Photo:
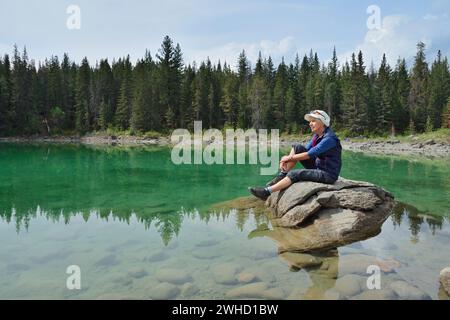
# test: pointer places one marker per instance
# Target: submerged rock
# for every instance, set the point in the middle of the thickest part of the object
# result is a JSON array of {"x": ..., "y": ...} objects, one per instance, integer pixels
[
  {"x": 257, "y": 290},
  {"x": 174, "y": 276},
  {"x": 406, "y": 291},
  {"x": 382, "y": 294},
  {"x": 107, "y": 261},
  {"x": 350, "y": 285},
  {"x": 164, "y": 291},
  {"x": 226, "y": 273},
  {"x": 247, "y": 277}
]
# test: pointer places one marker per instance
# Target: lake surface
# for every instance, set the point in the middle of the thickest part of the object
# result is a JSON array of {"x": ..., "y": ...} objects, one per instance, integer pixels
[{"x": 140, "y": 227}]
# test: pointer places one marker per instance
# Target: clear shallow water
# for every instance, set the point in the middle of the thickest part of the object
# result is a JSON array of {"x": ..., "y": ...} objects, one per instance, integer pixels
[{"x": 140, "y": 227}]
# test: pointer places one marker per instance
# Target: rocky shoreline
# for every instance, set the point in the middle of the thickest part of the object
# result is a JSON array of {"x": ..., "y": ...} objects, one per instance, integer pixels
[
  {"x": 428, "y": 148},
  {"x": 91, "y": 140}
]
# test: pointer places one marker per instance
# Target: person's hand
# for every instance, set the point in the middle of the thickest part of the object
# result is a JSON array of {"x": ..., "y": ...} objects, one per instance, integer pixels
[{"x": 286, "y": 159}]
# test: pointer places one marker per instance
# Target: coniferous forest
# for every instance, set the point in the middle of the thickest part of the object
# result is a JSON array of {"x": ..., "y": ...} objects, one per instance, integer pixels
[{"x": 160, "y": 93}]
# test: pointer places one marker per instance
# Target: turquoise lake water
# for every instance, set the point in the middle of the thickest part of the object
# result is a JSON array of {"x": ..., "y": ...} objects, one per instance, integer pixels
[{"x": 140, "y": 227}]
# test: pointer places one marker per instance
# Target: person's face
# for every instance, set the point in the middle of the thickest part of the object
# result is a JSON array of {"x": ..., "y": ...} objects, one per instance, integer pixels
[{"x": 316, "y": 126}]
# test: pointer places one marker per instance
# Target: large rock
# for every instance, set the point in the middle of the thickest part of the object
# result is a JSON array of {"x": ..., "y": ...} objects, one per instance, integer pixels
[
  {"x": 444, "y": 279},
  {"x": 329, "y": 215},
  {"x": 311, "y": 216},
  {"x": 294, "y": 205}
]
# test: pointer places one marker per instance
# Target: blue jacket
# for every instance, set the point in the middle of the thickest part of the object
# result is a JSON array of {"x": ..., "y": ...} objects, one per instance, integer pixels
[{"x": 326, "y": 152}]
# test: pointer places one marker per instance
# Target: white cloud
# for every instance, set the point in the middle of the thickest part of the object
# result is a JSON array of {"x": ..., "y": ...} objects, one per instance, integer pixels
[
  {"x": 230, "y": 51},
  {"x": 399, "y": 35}
]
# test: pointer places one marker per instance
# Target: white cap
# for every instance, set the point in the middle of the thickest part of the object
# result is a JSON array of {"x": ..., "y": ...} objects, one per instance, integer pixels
[{"x": 319, "y": 114}]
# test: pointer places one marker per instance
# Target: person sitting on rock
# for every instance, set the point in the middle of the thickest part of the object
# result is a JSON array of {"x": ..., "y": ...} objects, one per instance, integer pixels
[{"x": 321, "y": 158}]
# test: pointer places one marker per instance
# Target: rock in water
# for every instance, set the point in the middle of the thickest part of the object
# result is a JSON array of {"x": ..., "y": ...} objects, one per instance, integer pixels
[
  {"x": 444, "y": 279},
  {"x": 310, "y": 216},
  {"x": 294, "y": 205},
  {"x": 328, "y": 215}
]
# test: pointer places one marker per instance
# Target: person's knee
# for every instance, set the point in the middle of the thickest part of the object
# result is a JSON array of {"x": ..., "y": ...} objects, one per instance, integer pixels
[
  {"x": 294, "y": 175},
  {"x": 298, "y": 148}
]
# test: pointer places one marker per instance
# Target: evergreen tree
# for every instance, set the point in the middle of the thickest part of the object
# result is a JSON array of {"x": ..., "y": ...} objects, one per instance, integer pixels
[
  {"x": 401, "y": 87},
  {"x": 82, "y": 97},
  {"x": 244, "y": 74},
  {"x": 293, "y": 98},
  {"x": 280, "y": 95},
  {"x": 24, "y": 114},
  {"x": 170, "y": 77},
  {"x": 187, "y": 97},
  {"x": 104, "y": 94},
  {"x": 446, "y": 115},
  {"x": 383, "y": 87},
  {"x": 332, "y": 94},
  {"x": 5, "y": 90},
  {"x": 418, "y": 97},
  {"x": 355, "y": 96},
  {"x": 202, "y": 87},
  {"x": 68, "y": 79},
  {"x": 439, "y": 89},
  {"x": 230, "y": 100},
  {"x": 163, "y": 94},
  {"x": 257, "y": 101},
  {"x": 123, "y": 111}
]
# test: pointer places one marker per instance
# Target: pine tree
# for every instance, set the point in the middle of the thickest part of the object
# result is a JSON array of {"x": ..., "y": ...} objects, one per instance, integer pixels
[
  {"x": 170, "y": 77},
  {"x": 401, "y": 87},
  {"x": 383, "y": 87},
  {"x": 123, "y": 111},
  {"x": 259, "y": 67},
  {"x": 123, "y": 107},
  {"x": 446, "y": 115},
  {"x": 202, "y": 87},
  {"x": 54, "y": 88},
  {"x": 362, "y": 88},
  {"x": 355, "y": 96},
  {"x": 280, "y": 95},
  {"x": 257, "y": 101},
  {"x": 332, "y": 93},
  {"x": 163, "y": 94},
  {"x": 293, "y": 97},
  {"x": 145, "y": 110},
  {"x": 24, "y": 114},
  {"x": 104, "y": 94},
  {"x": 68, "y": 80},
  {"x": 5, "y": 90},
  {"x": 418, "y": 97},
  {"x": 82, "y": 97},
  {"x": 230, "y": 100},
  {"x": 244, "y": 74},
  {"x": 187, "y": 97},
  {"x": 439, "y": 89}
]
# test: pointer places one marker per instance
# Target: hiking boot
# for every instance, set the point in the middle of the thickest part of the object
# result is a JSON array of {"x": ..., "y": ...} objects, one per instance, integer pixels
[
  {"x": 260, "y": 193},
  {"x": 275, "y": 180}
]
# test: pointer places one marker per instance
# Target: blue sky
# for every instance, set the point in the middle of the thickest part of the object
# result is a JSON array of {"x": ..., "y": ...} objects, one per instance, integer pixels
[{"x": 221, "y": 29}]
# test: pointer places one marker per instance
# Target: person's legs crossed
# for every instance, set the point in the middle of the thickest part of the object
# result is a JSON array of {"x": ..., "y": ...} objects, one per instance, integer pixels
[{"x": 284, "y": 170}]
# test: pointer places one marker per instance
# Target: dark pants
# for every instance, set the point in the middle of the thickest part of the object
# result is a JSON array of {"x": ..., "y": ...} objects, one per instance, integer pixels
[{"x": 310, "y": 173}]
